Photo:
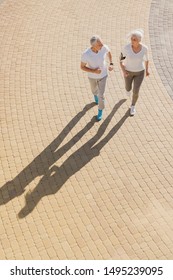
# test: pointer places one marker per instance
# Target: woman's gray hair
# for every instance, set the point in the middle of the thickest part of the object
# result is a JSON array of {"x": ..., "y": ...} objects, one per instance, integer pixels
[
  {"x": 94, "y": 39},
  {"x": 139, "y": 33}
]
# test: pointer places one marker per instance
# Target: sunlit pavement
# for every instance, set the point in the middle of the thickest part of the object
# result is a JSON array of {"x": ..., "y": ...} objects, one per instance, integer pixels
[{"x": 71, "y": 187}]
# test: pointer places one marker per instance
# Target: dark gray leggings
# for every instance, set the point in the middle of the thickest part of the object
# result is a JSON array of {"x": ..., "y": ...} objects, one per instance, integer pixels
[{"x": 136, "y": 78}]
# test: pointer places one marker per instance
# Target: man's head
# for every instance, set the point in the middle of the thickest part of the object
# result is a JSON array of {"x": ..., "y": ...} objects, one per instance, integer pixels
[{"x": 96, "y": 42}]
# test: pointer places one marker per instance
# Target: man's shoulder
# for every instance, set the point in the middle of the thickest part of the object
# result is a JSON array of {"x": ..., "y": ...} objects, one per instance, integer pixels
[
  {"x": 106, "y": 47},
  {"x": 87, "y": 51},
  {"x": 85, "y": 55}
]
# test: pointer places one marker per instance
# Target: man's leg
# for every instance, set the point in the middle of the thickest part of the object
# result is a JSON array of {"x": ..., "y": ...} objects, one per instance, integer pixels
[
  {"x": 101, "y": 86},
  {"x": 94, "y": 88},
  {"x": 101, "y": 95}
]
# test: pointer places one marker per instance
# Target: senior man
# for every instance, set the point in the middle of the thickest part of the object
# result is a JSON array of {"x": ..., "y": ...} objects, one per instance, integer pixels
[{"x": 93, "y": 61}]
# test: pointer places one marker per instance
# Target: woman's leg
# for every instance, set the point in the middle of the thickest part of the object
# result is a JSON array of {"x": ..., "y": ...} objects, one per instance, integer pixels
[
  {"x": 138, "y": 78},
  {"x": 128, "y": 81}
]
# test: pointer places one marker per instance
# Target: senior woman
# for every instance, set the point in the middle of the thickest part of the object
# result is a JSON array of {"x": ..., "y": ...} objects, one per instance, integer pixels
[{"x": 134, "y": 64}]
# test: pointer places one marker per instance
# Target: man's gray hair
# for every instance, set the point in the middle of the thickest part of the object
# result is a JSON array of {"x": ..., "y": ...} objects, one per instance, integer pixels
[{"x": 94, "y": 39}]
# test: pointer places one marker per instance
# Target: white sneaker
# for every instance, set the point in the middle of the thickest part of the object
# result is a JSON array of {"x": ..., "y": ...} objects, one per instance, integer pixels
[
  {"x": 128, "y": 93},
  {"x": 132, "y": 111}
]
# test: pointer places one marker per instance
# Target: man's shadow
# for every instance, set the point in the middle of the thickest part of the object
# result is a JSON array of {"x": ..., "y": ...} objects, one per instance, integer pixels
[
  {"x": 41, "y": 164},
  {"x": 56, "y": 177}
]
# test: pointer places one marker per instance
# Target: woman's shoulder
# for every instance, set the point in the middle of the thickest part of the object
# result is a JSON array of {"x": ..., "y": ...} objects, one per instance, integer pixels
[
  {"x": 144, "y": 47},
  {"x": 127, "y": 46}
]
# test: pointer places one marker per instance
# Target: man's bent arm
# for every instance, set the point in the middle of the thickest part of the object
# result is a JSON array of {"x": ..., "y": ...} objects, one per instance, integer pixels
[{"x": 87, "y": 69}]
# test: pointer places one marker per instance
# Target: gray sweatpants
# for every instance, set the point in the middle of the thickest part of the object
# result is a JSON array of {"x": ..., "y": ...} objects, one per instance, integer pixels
[
  {"x": 136, "y": 78},
  {"x": 98, "y": 88}
]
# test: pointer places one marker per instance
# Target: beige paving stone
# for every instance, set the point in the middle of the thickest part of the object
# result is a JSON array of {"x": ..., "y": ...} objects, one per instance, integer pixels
[{"x": 61, "y": 198}]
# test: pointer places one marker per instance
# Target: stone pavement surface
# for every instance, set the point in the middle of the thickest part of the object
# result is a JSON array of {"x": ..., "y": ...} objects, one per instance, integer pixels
[
  {"x": 70, "y": 187},
  {"x": 161, "y": 36}
]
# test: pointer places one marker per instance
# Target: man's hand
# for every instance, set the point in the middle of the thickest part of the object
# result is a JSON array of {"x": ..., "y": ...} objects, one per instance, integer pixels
[
  {"x": 97, "y": 71},
  {"x": 111, "y": 68}
]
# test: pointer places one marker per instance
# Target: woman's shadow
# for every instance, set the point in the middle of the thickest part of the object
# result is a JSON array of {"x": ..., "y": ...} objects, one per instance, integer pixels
[
  {"x": 55, "y": 177},
  {"x": 40, "y": 166}
]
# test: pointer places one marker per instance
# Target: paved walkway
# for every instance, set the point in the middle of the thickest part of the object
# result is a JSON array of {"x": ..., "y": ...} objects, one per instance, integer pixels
[
  {"x": 72, "y": 188},
  {"x": 161, "y": 36}
]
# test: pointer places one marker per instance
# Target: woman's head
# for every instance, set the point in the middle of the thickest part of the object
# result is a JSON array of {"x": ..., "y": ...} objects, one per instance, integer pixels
[{"x": 136, "y": 36}]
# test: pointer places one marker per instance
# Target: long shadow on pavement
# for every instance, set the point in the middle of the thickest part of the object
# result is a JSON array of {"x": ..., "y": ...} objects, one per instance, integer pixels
[
  {"x": 41, "y": 164},
  {"x": 56, "y": 177}
]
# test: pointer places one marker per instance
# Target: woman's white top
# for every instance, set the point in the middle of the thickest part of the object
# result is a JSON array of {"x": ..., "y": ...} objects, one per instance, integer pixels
[
  {"x": 96, "y": 60},
  {"x": 132, "y": 61}
]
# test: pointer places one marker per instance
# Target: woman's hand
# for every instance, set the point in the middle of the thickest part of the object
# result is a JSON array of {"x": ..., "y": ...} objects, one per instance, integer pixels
[
  {"x": 147, "y": 73},
  {"x": 125, "y": 73}
]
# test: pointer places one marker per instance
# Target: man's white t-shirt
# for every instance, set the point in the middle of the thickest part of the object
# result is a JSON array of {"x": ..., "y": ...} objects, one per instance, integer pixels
[
  {"x": 134, "y": 62},
  {"x": 96, "y": 60}
]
